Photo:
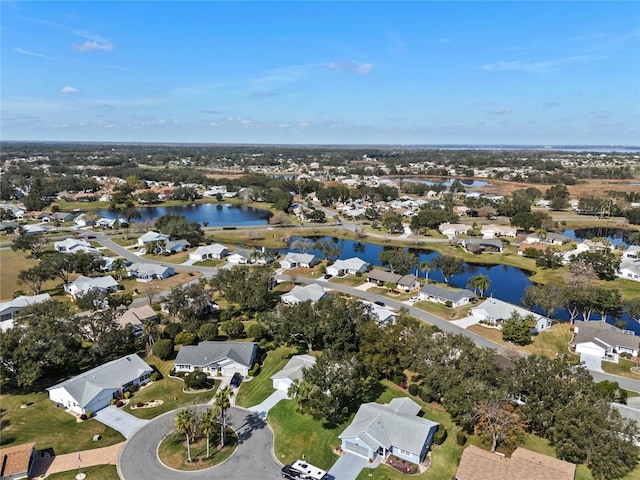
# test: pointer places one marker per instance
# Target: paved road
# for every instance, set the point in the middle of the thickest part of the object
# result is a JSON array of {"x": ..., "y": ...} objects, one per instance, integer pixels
[{"x": 252, "y": 460}]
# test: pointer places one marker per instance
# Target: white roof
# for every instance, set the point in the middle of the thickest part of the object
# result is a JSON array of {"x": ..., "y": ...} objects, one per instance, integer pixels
[
  {"x": 83, "y": 283},
  {"x": 214, "y": 249},
  {"x": 353, "y": 263},
  {"x": 148, "y": 268},
  {"x": 311, "y": 292},
  {"x": 295, "y": 366},
  {"x": 497, "y": 309},
  {"x": 294, "y": 257}
]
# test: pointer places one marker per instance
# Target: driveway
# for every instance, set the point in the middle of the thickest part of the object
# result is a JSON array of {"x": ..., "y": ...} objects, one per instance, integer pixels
[
  {"x": 348, "y": 467},
  {"x": 262, "y": 409},
  {"x": 591, "y": 362},
  {"x": 252, "y": 459},
  {"x": 120, "y": 420},
  {"x": 466, "y": 322}
]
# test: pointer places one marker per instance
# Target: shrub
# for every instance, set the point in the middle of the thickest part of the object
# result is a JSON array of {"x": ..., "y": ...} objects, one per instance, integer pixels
[
  {"x": 358, "y": 274},
  {"x": 196, "y": 380},
  {"x": 140, "y": 404},
  {"x": 234, "y": 329},
  {"x": 426, "y": 395},
  {"x": 208, "y": 331},
  {"x": 155, "y": 376},
  {"x": 163, "y": 349},
  {"x": 185, "y": 338},
  {"x": 440, "y": 436},
  {"x": 398, "y": 379},
  {"x": 132, "y": 388},
  {"x": 171, "y": 330},
  {"x": 448, "y": 304},
  {"x": 127, "y": 395},
  {"x": 112, "y": 402},
  {"x": 258, "y": 332},
  {"x": 119, "y": 403},
  {"x": 254, "y": 371},
  {"x": 88, "y": 413},
  {"x": 413, "y": 389},
  {"x": 83, "y": 417},
  {"x": 461, "y": 438}
]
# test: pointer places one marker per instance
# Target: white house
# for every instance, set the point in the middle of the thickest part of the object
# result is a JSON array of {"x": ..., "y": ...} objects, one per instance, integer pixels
[
  {"x": 408, "y": 282},
  {"x": 82, "y": 285},
  {"x": 293, "y": 260},
  {"x": 549, "y": 238},
  {"x": 152, "y": 236},
  {"x": 493, "y": 231},
  {"x": 293, "y": 370},
  {"x": 379, "y": 430},
  {"x": 215, "y": 251},
  {"x": 350, "y": 266},
  {"x": 95, "y": 388},
  {"x": 213, "y": 358},
  {"x": 603, "y": 340},
  {"x": 241, "y": 256},
  {"x": 454, "y": 298},
  {"x": 146, "y": 272},
  {"x": 631, "y": 253},
  {"x": 496, "y": 312},
  {"x": 8, "y": 310},
  {"x": 382, "y": 315},
  {"x": 299, "y": 294},
  {"x": 175, "y": 246},
  {"x": 629, "y": 270},
  {"x": 73, "y": 245},
  {"x": 453, "y": 229}
]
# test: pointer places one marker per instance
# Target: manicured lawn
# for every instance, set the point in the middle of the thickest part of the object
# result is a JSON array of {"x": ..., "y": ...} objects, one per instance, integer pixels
[
  {"x": 622, "y": 369},
  {"x": 169, "y": 390},
  {"x": 102, "y": 472},
  {"x": 210, "y": 263},
  {"x": 48, "y": 426},
  {"x": 261, "y": 386},
  {"x": 349, "y": 280},
  {"x": 175, "y": 259},
  {"x": 178, "y": 279}
]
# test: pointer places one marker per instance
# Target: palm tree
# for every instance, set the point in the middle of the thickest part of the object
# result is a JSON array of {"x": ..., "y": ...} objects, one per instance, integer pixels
[
  {"x": 426, "y": 267},
  {"x": 479, "y": 282},
  {"x": 119, "y": 264},
  {"x": 207, "y": 424},
  {"x": 150, "y": 328},
  {"x": 185, "y": 422},
  {"x": 223, "y": 403}
]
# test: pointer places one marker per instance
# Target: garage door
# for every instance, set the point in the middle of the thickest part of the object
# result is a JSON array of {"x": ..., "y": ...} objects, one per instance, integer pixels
[
  {"x": 283, "y": 385},
  {"x": 357, "y": 449}
]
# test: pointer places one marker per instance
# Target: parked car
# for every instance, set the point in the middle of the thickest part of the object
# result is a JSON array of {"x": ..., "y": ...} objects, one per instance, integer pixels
[
  {"x": 380, "y": 304},
  {"x": 414, "y": 299},
  {"x": 328, "y": 276},
  {"x": 236, "y": 380}
]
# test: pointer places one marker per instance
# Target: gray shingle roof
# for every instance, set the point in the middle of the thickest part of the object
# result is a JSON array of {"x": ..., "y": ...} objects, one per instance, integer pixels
[
  {"x": 207, "y": 353},
  {"x": 445, "y": 293},
  {"x": 393, "y": 424},
  {"x": 295, "y": 366},
  {"x": 596, "y": 330},
  {"x": 311, "y": 292},
  {"x": 112, "y": 375}
]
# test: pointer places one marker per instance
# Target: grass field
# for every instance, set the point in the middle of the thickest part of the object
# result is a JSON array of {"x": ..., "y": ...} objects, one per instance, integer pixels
[
  {"x": 173, "y": 451},
  {"x": 102, "y": 472},
  {"x": 48, "y": 426},
  {"x": 261, "y": 386}
]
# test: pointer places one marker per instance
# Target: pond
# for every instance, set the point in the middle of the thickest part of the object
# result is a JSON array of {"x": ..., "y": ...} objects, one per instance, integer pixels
[
  {"x": 507, "y": 283},
  {"x": 615, "y": 236},
  {"x": 214, "y": 214}
]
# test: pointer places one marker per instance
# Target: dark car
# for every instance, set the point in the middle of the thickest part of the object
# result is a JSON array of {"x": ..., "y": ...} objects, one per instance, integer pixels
[
  {"x": 236, "y": 380},
  {"x": 328, "y": 276},
  {"x": 381, "y": 304}
]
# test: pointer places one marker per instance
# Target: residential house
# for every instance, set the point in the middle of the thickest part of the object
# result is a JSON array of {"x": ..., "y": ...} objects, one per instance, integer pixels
[
  {"x": 383, "y": 315},
  {"x": 597, "y": 246},
  {"x": 629, "y": 412},
  {"x": 213, "y": 358},
  {"x": 146, "y": 272},
  {"x": 95, "y": 388},
  {"x": 215, "y": 251},
  {"x": 533, "y": 246},
  {"x": 299, "y": 294},
  {"x": 136, "y": 317},
  {"x": 382, "y": 277},
  {"x": 408, "y": 283},
  {"x": 629, "y": 270},
  {"x": 63, "y": 216},
  {"x": 379, "y": 430},
  {"x": 82, "y": 285},
  {"x": 292, "y": 371},
  {"x": 631, "y": 253},
  {"x": 350, "y": 266},
  {"x": 482, "y": 245},
  {"x": 294, "y": 260},
  {"x": 9, "y": 310},
  {"x": 175, "y": 246},
  {"x": 152, "y": 237},
  {"x": 453, "y": 229},
  {"x": 17, "y": 461},
  {"x": 494, "y": 231},
  {"x": 74, "y": 245},
  {"x": 478, "y": 464},
  {"x": 549, "y": 238},
  {"x": 604, "y": 341},
  {"x": 496, "y": 312},
  {"x": 241, "y": 256},
  {"x": 447, "y": 296}
]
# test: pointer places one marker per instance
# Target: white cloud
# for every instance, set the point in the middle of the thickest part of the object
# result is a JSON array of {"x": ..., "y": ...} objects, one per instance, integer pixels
[
  {"x": 351, "y": 67},
  {"x": 91, "y": 45},
  {"x": 502, "y": 110},
  {"x": 68, "y": 89},
  {"x": 26, "y": 52},
  {"x": 541, "y": 66}
]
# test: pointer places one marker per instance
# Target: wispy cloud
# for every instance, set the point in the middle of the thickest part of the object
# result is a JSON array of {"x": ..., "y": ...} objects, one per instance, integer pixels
[
  {"x": 550, "y": 104},
  {"x": 260, "y": 94},
  {"x": 68, "y": 89},
  {"x": 502, "y": 111},
  {"x": 210, "y": 112},
  {"x": 32, "y": 54},
  {"x": 351, "y": 67},
  {"x": 542, "y": 66},
  {"x": 92, "y": 45}
]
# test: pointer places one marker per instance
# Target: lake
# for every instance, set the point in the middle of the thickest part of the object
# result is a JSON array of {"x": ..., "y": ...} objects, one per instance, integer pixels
[
  {"x": 447, "y": 183},
  {"x": 214, "y": 214},
  {"x": 615, "y": 236},
  {"x": 507, "y": 283}
]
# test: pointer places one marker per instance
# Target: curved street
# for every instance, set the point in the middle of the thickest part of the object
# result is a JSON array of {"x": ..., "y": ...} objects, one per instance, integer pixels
[{"x": 252, "y": 459}]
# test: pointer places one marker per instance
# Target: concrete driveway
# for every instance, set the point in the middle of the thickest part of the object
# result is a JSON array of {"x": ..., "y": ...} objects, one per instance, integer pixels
[
  {"x": 120, "y": 420},
  {"x": 262, "y": 409},
  {"x": 252, "y": 460},
  {"x": 348, "y": 467},
  {"x": 591, "y": 362}
]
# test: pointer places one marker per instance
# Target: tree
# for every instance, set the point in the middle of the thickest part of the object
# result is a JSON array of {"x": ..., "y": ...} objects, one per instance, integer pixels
[
  {"x": 234, "y": 329},
  {"x": 34, "y": 277},
  {"x": 607, "y": 301},
  {"x": 208, "y": 331},
  {"x": 550, "y": 258},
  {"x": 223, "y": 403},
  {"x": 517, "y": 329},
  {"x": 392, "y": 222},
  {"x": 177, "y": 227},
  {"x": 550, "y": 297},
  {"x": 632, "y": 308},
  {"x": 499, "y": 421},
  {"x": 426, "y": 267},
  {"x": 329, "y": 249},
  {"x": 185, "y": 423},
  {"x": 247, "y": 287},
  {"x": 558, "y": 197},
  {"x": 303, "y": 244},
  {"x": 208, "y": 424},
  {"x": 479, "y": 282},
  {"x": 163, "y": 349},
  {"x": 27, "y": 242},
  {"x": 150, "y": 329},
  {"x": 487, "y": 212},
  {"x": 605, "y": 265},
  {"x": 448, "y": 266},
  {"x": 399, "y": 260},
  {"x": 191, "y": 301},
  {"x": 316, "y": 216}
]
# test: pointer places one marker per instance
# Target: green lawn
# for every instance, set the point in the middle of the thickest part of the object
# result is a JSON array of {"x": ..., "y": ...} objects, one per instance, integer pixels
[
  {"x": 48, "y": 426},
  {"x": 102, "y": 472},
  {"x": 261, "y": 386},
  {"x": 169, "y": 390},
  {"x": 172, "y": 451}
]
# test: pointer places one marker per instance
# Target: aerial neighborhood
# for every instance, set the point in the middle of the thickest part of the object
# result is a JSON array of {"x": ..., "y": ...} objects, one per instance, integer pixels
[{"x": 318, "y": 313}]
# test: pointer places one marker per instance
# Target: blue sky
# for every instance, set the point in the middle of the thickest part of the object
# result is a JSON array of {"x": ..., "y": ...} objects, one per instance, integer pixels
[{"x": 322, "y": 72}]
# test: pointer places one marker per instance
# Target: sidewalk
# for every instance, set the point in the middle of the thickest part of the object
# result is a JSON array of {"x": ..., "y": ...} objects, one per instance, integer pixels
[{"x": 69, "y": 461}]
